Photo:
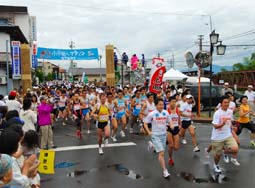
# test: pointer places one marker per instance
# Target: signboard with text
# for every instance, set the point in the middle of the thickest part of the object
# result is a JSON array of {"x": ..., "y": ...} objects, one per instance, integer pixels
[
  {"x": 16, "y": 65},
  {"x": 67, "y": 54}
]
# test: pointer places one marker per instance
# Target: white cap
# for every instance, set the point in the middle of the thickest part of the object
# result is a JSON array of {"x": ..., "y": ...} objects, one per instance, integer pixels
[
  {"x": 250, "y": 86},
  {"x": 226, "y": 84},
  {"x": 188, "y": 96}
]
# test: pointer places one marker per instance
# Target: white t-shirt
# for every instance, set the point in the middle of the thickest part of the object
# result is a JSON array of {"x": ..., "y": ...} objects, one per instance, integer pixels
[
  {"x": 225, "y": 131},
  {"x": 159, "y": 121},
  {"x": 13, "y": 105},
  {"x": 250, "y": 95},
  {"x": 186, "y": 109}
]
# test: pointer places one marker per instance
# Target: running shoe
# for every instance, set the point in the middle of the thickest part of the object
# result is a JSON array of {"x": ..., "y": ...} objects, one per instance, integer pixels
[
  {"x": 114, "y": 138},
  {"x": 64, "y": 124},
  {"x": 100, "y": 151},
  {"x": 150, "y": 146},
  {"x": 122, "y": 134},
  {"x": 184, "y": 141},
  {"x": 234, "y": 161},
  {"x": 88, "y": 131},
  {"x": 217, "y": 168},
  {"x": 252, "y": 144},
  {"x": 131, "y": 130},
  {"x": 196, "y": 149},
  {"x": 171, "y": 162},
  {"x": 166, "y": 174},
  {"x": 207, "y": 153},
  {"x": 226, "y": 158}
]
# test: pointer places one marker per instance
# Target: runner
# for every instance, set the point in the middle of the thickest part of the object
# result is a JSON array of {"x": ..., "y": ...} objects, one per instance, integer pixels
[
  {"x": 143, "y": 94},
  {"x": 244, "y": 120},
  {"x": 147, "y": 107},
  {"x": 186, "y": 115},
  {"x": 62, "y": 106},
  {"x": 136, "y": 106},
  {"x": 120, "y": 105},
  {"x": 222, "y": 136},
  {"x": 127, "y": 98},
  {"x": 101, "y": 113},
  {"x": 77, "y": 114},
  {"x": 159, "y": 119},
  {"x": 173, "y": 132},
  {"x": 166, "y": 99},
  {"x": 111, "y": 107},
  {"x": 85, "y": 109}
]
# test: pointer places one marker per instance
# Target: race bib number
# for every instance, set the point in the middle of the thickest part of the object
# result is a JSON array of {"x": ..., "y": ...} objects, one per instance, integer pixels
[
  {"x": 103, "y": 117},
  {"x": 76, "y": 107}
]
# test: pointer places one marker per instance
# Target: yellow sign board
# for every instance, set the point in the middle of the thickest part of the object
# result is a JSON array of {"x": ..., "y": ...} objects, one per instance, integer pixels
[{"x": 46, "y": 159}]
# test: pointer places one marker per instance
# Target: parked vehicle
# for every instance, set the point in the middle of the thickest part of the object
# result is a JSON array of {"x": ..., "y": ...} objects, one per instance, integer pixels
[{"x": 205, "y": 95}]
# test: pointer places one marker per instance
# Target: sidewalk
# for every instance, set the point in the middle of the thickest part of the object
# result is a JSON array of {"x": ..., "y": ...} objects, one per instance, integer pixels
[{"x": 202, "y": 119}]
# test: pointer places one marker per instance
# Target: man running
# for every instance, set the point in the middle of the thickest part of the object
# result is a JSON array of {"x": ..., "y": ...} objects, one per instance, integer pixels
[
  {"x": 62, "y": 106},
  {"x": 222, "y": 138},
  {"x": 173, "y": 132},
  {"x": 85, "y": 108},
  {"x": 77, "y": 114},
  {"x": 120, "y": 105},
  {"x": 186, "y": 115},
  {"x": 148, "y": 107},
  {"x": 101, "y": 113},
  {"x": 111, "y": 107},
  {"x": 159, "y": 119},
  {"x": 136, "y": 106}
]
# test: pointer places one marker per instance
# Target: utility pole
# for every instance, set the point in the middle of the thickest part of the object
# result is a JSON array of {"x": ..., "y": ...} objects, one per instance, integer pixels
[
  {"x": 200, "y": 39},
  {"x": 71, "y": 45},
  {"x": 173, "y": 60},
  {"x": 158, "y": 55}
]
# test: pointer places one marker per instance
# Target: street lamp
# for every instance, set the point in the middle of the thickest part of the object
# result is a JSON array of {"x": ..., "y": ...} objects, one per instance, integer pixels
[{"x": 214, "y": 39}]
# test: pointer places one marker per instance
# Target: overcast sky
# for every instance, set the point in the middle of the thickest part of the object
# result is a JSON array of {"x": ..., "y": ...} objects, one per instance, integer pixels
[{"x": 144, "y": 26}]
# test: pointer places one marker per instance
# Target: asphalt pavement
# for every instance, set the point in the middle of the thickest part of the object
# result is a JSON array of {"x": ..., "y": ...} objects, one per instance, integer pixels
[{"x": 128, "y": 163}]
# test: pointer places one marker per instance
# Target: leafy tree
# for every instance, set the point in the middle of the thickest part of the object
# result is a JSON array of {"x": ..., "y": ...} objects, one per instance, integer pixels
[
  {"x": 223, "y": 70},
  {"x": 50, "y": 77},
  {"x": 39, "y": 74},
  {"x": 238, "y": 67}
]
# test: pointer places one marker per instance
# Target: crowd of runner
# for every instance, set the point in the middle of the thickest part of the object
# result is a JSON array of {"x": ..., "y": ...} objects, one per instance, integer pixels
[{"x": 27, "y": 121}]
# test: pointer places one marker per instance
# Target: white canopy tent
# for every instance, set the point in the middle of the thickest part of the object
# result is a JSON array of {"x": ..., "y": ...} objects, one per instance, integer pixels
[
  {"x": 195, "y": 80},
  {"x": 173, "y": 75}
]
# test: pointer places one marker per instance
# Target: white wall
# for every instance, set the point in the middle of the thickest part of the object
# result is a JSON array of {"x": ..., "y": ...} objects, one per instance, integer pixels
[
  {"x": 3, "y": 38},
  {"x": 22, "y": 21}
]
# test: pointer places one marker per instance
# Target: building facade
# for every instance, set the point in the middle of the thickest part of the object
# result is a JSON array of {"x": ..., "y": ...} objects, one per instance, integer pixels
[{"x": 15, "y": 25}]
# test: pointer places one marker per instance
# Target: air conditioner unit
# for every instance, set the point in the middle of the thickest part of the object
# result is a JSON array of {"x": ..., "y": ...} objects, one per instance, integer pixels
[{"x": 3, "y": 80}]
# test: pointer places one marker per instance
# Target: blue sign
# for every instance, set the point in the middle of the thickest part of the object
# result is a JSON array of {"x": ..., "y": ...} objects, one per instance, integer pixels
[
  {"x": 16, "y": 69},
  {"x": 34, "y": 61},
  {"x": 66, "y": 54}
]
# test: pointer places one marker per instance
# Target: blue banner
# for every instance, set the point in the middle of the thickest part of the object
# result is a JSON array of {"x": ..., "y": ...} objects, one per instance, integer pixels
[
  {"x": 66, "y": 54},
  {"x": 16, "y": 70},
  {"x": 34, "y": 61}
]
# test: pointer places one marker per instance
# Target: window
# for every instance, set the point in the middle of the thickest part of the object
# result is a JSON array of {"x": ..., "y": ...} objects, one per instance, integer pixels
[{"x": 48, "y": 67}]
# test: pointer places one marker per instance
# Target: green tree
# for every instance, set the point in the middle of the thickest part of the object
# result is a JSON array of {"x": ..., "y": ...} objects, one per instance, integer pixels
[
  {"x": 50, "y": 76},
  {"x": 248, "y": 64},
  {"x": 39, "y": 74},
  {"x": 223, "y": 70}
]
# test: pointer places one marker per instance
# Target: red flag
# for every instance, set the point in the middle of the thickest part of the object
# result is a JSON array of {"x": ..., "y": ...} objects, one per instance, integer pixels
[{"x": 156, "y": 79}]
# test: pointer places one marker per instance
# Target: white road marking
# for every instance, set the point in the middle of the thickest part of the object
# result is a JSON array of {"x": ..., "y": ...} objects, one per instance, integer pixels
[{"x": 93, "y": 146}]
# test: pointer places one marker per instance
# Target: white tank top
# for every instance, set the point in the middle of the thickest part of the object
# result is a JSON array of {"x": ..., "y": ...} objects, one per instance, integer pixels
[
  {"x": 62, "y": 102},
  {"x": 174, "y": 118}
]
